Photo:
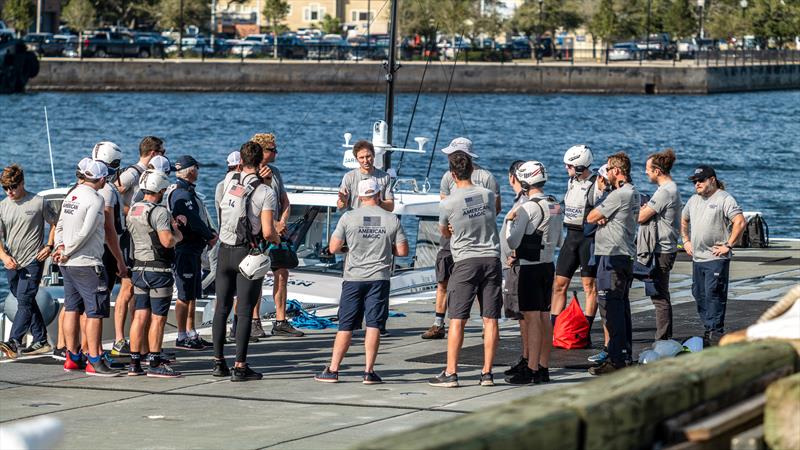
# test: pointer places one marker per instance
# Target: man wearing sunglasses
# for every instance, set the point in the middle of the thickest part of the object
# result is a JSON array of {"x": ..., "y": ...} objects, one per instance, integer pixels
[
  {"x": 22, "y": 218},
  {"x": 711, "y": 223}
]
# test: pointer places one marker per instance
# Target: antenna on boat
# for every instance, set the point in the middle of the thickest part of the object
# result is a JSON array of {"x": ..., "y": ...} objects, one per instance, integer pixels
[
  {"x": 50, "y": 148},
  {"x": 391, "y": 68}
]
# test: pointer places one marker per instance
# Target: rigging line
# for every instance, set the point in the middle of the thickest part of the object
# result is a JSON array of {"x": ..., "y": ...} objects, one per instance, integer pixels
[
  {"x": 444, "y": 108},
  {"x": 378, "y": 84},
  {"x": 416, "y": 101},
  {"x": 458, "y": 109}
]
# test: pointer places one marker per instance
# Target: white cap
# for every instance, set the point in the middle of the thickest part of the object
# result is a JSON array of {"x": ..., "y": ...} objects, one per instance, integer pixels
[
  {"x": 83, "y": 164},
  {"x": 94, "y": 170},
  {"x": 161, "y": 164},
  {"x": 368, "y": 187},
  {"x": 234, "y": 158},
  {"x": 603, "y": 171},
  {"x": 459, "y": 144}
]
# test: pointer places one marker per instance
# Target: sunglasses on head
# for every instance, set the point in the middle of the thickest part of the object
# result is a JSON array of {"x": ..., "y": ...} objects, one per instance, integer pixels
[{"x": 10, "y": 187}]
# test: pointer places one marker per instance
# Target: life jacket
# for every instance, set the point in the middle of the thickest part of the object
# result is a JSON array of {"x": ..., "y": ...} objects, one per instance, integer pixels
[
  {"x": 531, "y": 246},
  {"x": 234, "y": 227},
  {"x": 138, "y": 221}
]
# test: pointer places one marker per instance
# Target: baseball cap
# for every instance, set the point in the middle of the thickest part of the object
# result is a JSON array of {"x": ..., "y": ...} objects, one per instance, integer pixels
[
  {"x": 161, "y": 164},
  {"x": 234, "y": 158},
  {"x": 186, "y": 161},
  {"x": 459, "y": 144},
  {"x": 703, "y": 172},
  {"x": 603, "y": 171},
  {"x": 367, "y": 188},
  {"x": 94, "y": 170},
  {"x": 83, "y": 164}
]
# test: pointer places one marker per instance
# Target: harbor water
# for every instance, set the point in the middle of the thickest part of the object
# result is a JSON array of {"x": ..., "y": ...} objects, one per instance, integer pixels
[{"x": 751, "y": 139}]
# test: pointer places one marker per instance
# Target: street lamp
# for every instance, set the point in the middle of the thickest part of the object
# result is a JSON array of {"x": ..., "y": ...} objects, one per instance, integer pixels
[
  {"x": 700, "y": 5},
  {"x": 541, "y": 20},
  {"x": 743, "y": 4}
]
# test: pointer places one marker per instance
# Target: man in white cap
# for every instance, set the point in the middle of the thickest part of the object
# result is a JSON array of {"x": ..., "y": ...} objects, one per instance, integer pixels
[
  {"x": 372, "y": 235},
  {"x": 444, "y": 258},
  {"x": 79, "y": 251}
]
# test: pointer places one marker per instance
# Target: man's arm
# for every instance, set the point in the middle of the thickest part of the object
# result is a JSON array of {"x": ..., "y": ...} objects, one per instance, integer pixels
[
  {"x": 738, "y": 226},
  {"x": 267, "y": 227},
  {"x": 388, "y": 205},
  {"x": 595, "y": 216},
  {"x": 8, "y": 261},
  {"x": 687, "y": 243},
  {"x": 336, "y": 245},
  {"x": 193, "y": 220},
  {"x": 400, "y": 248},
  {"x": 645, "y": 213}
]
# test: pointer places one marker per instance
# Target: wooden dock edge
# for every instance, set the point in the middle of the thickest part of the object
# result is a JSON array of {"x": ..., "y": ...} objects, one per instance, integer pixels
[{"x": 782, "y": 414}]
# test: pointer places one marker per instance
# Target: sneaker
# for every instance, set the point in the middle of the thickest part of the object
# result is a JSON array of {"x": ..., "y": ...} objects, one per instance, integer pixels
[
  {"x": 487, "y": 379},
  {"x": 603, "y": 369},
  {"x": 220, "y": 369},
  {"x": 329, "y": 376},
  {"x": 110, "y": 361},
  {"x": 100, "y": 369},
  {"x": 10, "y": 349},
  {"x": 121, "y": 348},
  {"x": 384, "y": 332},
  {"x": 245, "y": 374},
  {"x": 135, "y": 370},
  {"x": 517, "y": 367},
  {"x": 163, "y": 370},
  {"x": 60, "y": 354},
  {"x": 444, "y": 380},
  {"x": 544, "y": 374},
  {"x": 371, "y": 378},
  {"x": 284, "y": 328},
  {"x": 204, "y": 342},
  {"x": 188, "y": 344},
  {"x": 74, "y": 366},
  {"x": 434, "y": 332},
  {"x": 522, "y": 376},
  {"x": 37, "y": 348},
  {"x": 256, "y": 330},
  {"x": 599, "y": 358}
]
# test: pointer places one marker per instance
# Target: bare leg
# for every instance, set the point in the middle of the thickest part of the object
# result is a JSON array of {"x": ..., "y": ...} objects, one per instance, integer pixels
[
  {"x": 441, "y": 297},
  {"x": 181, "y": 314},
  {"x": 156, "y": 332},
  {"x": 60, "y": 341},
  {"x": 523, "y": 331},
  {"x": 70, "y": 331},
  {"x": 190, "y": 315},
  {"x": 340, "y": 346},
  {"x": 94, "y": 333},
  {"x": 372, "y": 340},
  {"x": 84, "y": 339},
  {"x": 547, "y": 339},
  {"x": 281, "y": 278},
  {"x": 455, "y": 339},
  {"x": 559, "y": 300},
  {"x": 491, "y": 337},
  {"x": 138, "y": 329},
  {"x": 590, "y": 289},
  {"x": 534, "y": 338},
  {"x": 145, "y": 340},
  {"x": 121, "y": 305}
]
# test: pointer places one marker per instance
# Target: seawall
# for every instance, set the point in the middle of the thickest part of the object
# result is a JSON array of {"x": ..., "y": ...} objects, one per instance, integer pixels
[{"x": 309, "y": 76}]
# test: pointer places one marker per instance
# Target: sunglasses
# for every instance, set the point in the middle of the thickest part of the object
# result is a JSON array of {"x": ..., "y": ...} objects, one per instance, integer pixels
[
  {"x": 10, "y": 187},
  {"x": 700, "y": 181},
  {"x": 273, "y": 149}
]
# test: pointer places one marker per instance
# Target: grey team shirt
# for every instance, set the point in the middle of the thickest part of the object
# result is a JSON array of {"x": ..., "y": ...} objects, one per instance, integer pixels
[
  {"x": 471, "y": 212},
  {"x": 22, "y": 226},
  {"x": 709, "y": 222},
  {"x": 140, "y": 228},
  {"x": 129, "y": 179},
  {"x": 617, "y": 236},
  {"x": 666, "y": 202},
  {"x": 369, "y": 232},
  {"x": 505, "y": 250},
  {"x": 80, "y": 227},
  {"x": 350, "y": 183},
  {"x": 479, "y": 177}
]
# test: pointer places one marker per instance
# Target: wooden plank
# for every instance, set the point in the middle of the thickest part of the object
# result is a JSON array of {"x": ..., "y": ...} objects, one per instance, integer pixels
[
  {"x": 782, "y": 414},
  {"x": 752, "y": 439},
  {"x": 726, "y": 419}
]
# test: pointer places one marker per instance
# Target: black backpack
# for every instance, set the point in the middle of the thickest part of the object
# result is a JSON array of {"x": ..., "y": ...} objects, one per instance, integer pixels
[{"x": 756, "y": 233}]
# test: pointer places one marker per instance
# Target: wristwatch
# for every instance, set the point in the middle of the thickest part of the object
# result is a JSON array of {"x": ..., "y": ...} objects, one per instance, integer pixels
[{"x": 728, "y": 245}]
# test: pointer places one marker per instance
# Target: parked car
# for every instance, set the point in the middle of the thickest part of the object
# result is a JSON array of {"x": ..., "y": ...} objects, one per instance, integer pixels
[
  {"x": 658, "y": 46},
  {"x": 58, "y": 44},
  {"x": 331, "y": 46},
  {"x": 102, "y": 44},
  {"x": 624, "y": 51},
  {"x": 520, "y": 48},
  {"x": 33, "y": 41},
  {"x": 192, "y": 45}
]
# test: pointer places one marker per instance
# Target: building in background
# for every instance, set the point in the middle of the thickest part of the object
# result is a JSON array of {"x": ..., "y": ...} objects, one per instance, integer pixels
[{"x": 51, "y": 15}]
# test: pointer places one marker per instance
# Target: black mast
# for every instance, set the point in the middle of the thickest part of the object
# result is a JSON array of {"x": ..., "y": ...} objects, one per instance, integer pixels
[{"x": 390, "y": 71}]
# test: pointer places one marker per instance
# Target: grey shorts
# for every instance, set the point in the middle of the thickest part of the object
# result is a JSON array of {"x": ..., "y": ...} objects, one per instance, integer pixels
[
  {"x": 86, "y": 290},
  {"x": 475, "y": 277}
]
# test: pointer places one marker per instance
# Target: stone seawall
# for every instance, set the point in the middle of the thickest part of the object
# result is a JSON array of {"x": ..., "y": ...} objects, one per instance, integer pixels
[{"x": 305, "y": 76}]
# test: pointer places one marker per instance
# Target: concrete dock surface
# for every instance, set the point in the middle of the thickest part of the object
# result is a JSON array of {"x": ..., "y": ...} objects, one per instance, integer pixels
[{"x": 288, "y": 409}]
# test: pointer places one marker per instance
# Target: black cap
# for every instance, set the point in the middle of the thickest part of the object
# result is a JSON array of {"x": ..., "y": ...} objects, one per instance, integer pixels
[
  {"x": 185, "y": 161},
  {"x": 703, "y": 173}
]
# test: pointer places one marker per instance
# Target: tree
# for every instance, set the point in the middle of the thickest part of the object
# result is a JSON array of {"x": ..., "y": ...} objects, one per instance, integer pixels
[
  {"x": 605, "y": 23},
  {"x": 680, "y": 21},
  {"x": 556, "y": 14},
  {"x": 79, "y": 15},
  {"x": 275, "y": 11},
  {"x": 195, "y": 12},
  {"x": 19, "y": 15},
  {"x": 331, "y": 25}
]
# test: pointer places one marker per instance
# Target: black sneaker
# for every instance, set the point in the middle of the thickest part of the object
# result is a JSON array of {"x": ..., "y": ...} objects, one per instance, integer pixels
[
  {"x": 517, "y": 367},
  {"x": 522, "y": 376},
  {"x": 487, "y": 379},
  {"x": 372, "y": 378},
  {"x": 121, "y": 348},
  {"x": 384, "y": 332},
  {"x": 284, "y": 328},
  {"x": 256, "y": 330},
  {"x": 163, "y": 370},
  {"x": 60, "y": 354},
  {"x": 37, "y": 348},
  {"x": 10, "y": 349},
  {"x": 245, "y": 374},
  {"x": 204, "y": 342},
  {"x": 603, "y": 369},
  {"x": 444, "y": 380},
  {"x": 100, "y": 369},
  {"x": 220, "y": 369},
  {"x": 544, "y": 374},
  {"x": 188, "y": 344},
  {"x": 329, "y": 376},
  {"x": 135, "y": 370}
]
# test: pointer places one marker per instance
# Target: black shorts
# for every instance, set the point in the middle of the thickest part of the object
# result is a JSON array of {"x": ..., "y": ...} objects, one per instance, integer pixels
[
  {"x": 444, "y": 266},
  {"x": 153, "y": 291},
  {"x": 110, "y": 264},
  {"x": 126, "y": 247},
  {"x": 511, "y": 292},
  {"x": 475, "y": 277},
  {"x": 188, "y": 275},
  {"x": 576, "y": 252},
  {"x": 536, "y": 287},
  {"x": 363, "y": 299},
  {"x": 86, "y": 291}
]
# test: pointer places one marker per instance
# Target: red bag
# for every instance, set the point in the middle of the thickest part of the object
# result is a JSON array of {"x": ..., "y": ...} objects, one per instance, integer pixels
[{"x": 572, "y": 329}]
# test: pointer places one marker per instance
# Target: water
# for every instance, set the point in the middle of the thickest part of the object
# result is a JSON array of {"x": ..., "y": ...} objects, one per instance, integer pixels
[{"x": 751, "y": 139}]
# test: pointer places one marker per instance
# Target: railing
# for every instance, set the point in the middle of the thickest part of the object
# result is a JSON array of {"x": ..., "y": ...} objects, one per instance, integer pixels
[{"x": 254, "y": 51}]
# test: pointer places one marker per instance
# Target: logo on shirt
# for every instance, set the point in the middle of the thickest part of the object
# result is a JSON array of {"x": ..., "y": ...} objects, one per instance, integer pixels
[
  {"x": 555, "y": 209},
  {"x": 372, "y": 221},
  {"x": 189, "y": 204},
  {"x": 713, "y": 206},
  {"x": 371, "y": 228},
  {"x": 474, "y": 207},
  {"x": 74, "y": 197},
  {"x": 137, "y": 211},
  {"x": 237, "y": 190}
]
